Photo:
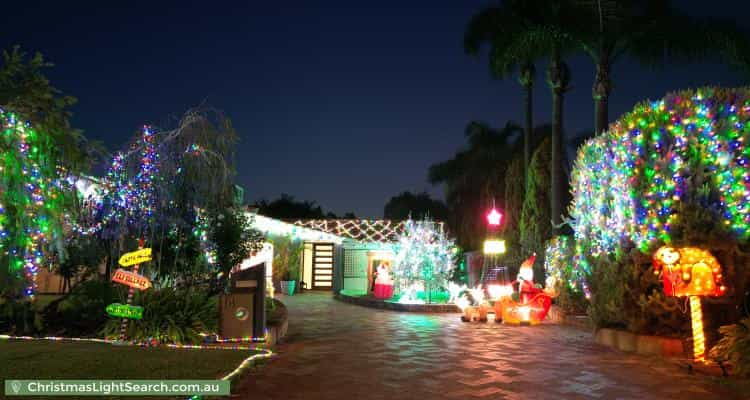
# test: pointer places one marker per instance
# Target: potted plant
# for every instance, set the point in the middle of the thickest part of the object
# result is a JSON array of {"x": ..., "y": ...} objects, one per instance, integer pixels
[{"x": 288, "y": 283}]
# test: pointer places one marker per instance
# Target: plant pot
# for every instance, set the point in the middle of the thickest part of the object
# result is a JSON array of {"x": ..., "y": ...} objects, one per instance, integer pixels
[{"x": 287, "y": 287}]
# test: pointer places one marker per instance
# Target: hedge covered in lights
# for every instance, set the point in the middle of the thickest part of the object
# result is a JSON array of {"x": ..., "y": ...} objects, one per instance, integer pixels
[{"x": 629, "y": 183}]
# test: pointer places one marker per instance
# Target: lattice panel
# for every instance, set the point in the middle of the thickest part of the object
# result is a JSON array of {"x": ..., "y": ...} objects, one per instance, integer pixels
[
  {"x": 362, "y": 230},
  {"x": 355, "y": 263}
]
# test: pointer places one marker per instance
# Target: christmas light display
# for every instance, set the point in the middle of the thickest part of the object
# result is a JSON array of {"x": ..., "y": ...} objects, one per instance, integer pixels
[
  {"x": 561, "y": 266},
  {"x": 298, "y": 232},
  {"x": 361, "y": 230},
  {"x": 492, "y": 246},
  {"x": 629, "y": 182},
  {"x": 493, "y": 217},
  {"x": 424, "y": 259},
  {"x": 31, "y": 198},
  {"x": 124, "y": 200},
  {"x": 691, "y": 272}
]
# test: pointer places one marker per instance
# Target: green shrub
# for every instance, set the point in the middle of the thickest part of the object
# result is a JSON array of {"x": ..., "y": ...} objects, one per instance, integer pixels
[
  {"x": 534, "y": 224},
  {"x": 628, "y": 295},
  {"x": 734, "y": 347},
  {"x": 607, "y": 294},
  {"x": 19, "y": 317},
  {"x": 82, "y": 311},
  {"x": 170, "y": 316}
]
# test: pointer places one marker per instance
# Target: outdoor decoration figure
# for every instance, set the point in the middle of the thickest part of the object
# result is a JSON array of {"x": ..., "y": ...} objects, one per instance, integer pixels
[
  {"x": 383, "y": 282},
  {"x": 533, "y": 304},
  {"x": 691, "y": 272}
]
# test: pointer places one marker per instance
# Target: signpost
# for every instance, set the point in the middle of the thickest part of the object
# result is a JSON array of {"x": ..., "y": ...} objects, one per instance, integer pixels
[
  {"x": 125, "y": 311},
  {"x": 135, "y": 257},
  {"x": 131, "y": 279},
  {"x": 134, "y": 281}
]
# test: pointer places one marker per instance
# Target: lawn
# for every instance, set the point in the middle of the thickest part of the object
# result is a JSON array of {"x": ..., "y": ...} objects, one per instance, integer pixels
[{"x": 77, "y": 360}]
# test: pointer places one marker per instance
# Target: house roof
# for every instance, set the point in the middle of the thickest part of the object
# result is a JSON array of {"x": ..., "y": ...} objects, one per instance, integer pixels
[{"x": 361, "y": 230}]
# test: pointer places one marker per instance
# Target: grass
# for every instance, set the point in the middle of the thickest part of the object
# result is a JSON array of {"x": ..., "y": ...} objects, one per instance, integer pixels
[{"x": 77, "y": 360}]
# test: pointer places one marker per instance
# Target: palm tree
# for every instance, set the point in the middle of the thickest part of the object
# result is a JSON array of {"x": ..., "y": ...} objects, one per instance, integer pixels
[
  {"x": 499, "y": 27},
  {"x": 474, "y": 176},
  {"x": 517, "y": 32},
  {"x": 651, "y": 31}
]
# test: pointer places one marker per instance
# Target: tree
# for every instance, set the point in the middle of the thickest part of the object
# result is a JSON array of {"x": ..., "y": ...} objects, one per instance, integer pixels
[
  {"x": 514, "y": 195},
  {"x": 26, "y": 91},
  {"x": 418, "y": 206},
  {"x": 474, "y": 177},
  {"x": 651, "y": 31},
  {"x": 38, "y": 149},
  {"x": 500, "y": 27},
  {"x": 534, "y": 225},
  {"x": 523, "y": 30},
  {"x": 424, "y": 259},
  {"x": 235, "y": 240},
  {"x": 287, "y": 207}
]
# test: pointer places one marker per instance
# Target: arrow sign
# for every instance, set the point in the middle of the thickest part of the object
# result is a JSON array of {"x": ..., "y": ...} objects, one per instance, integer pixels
[
  {"x": 135, "y": 257},
  {"x": 125, "y": 311},
  {"x": 131, "y": 279}
]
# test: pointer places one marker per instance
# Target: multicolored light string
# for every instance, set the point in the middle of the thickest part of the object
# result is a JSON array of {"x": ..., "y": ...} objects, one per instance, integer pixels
[
  {"x": 629, "y": 182},
  {"x": 31, "y": 198}
]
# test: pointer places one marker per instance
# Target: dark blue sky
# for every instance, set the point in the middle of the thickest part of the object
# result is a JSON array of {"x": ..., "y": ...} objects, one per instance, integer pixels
[{"x": 342, "y": 102}]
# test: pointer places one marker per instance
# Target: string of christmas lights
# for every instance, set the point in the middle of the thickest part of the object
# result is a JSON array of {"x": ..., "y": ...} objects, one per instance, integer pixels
[
  {"x": 423, "y": 257},
  {"x": 31, "y": 199},
  {"x": 628, "y": 183}
]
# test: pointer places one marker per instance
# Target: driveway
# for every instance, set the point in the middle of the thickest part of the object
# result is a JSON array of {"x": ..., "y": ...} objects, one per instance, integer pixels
[{"x": 341, "y": 351}]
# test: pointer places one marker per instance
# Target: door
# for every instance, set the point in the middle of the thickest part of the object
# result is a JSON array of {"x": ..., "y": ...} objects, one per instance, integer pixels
[{"x": 322, "y": 266}]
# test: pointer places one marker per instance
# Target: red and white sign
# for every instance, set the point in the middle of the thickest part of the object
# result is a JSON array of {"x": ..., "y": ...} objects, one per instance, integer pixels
[{"x": 131, "y": 279}]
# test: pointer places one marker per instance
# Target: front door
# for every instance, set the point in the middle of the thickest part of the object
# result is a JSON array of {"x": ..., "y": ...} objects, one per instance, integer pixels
[{"x": 322, "y": 266}]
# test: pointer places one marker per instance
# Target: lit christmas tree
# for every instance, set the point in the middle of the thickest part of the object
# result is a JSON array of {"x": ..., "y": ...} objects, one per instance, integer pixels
[{"x": 424, "y": 259}]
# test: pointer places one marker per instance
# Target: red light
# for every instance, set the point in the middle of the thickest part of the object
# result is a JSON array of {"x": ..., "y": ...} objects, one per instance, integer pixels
[{"x": 493, "y": 217}]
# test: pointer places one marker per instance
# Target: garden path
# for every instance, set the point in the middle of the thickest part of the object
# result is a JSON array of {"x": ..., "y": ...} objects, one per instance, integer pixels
[{"x": 341, "y": 351}]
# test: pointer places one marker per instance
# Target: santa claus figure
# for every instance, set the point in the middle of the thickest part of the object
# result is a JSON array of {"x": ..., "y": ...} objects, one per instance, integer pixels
[
  {"x": 383, "y": 282},
  {"x": 526, "y": 288}
]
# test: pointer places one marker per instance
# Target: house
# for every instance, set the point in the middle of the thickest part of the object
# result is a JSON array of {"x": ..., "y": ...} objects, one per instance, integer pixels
[{"x": 338, "y": 254}]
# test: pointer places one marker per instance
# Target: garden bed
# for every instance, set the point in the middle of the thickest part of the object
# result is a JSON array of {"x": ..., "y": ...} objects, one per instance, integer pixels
[
  {"x": 641, "y": 344},
  {"x": 372, "y": 302}
]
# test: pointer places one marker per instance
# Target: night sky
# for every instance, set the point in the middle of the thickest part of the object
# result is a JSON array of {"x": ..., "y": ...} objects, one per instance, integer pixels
[{"x": 343, "y": 102}]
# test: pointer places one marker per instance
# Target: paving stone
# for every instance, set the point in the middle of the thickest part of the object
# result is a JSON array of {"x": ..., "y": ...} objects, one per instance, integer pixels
[{"x": 337, "y": 350}]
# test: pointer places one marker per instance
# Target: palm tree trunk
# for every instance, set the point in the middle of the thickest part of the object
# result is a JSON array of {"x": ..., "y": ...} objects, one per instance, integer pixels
[
  {"x": 527, "y": 130},
  {"x": 526, "y": 79},
  {"x": 556, "y": 169},
  {"x": 600, "y": 92},
  {"x": 558, "y": 78}
]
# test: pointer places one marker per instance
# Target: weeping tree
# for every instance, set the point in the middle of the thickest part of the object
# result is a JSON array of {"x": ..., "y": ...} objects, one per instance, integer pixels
[{"x": 173, "y": 188}]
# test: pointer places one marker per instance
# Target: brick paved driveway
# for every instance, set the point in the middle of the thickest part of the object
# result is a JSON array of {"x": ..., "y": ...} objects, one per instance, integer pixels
[{"x": 341, "y": 351}]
